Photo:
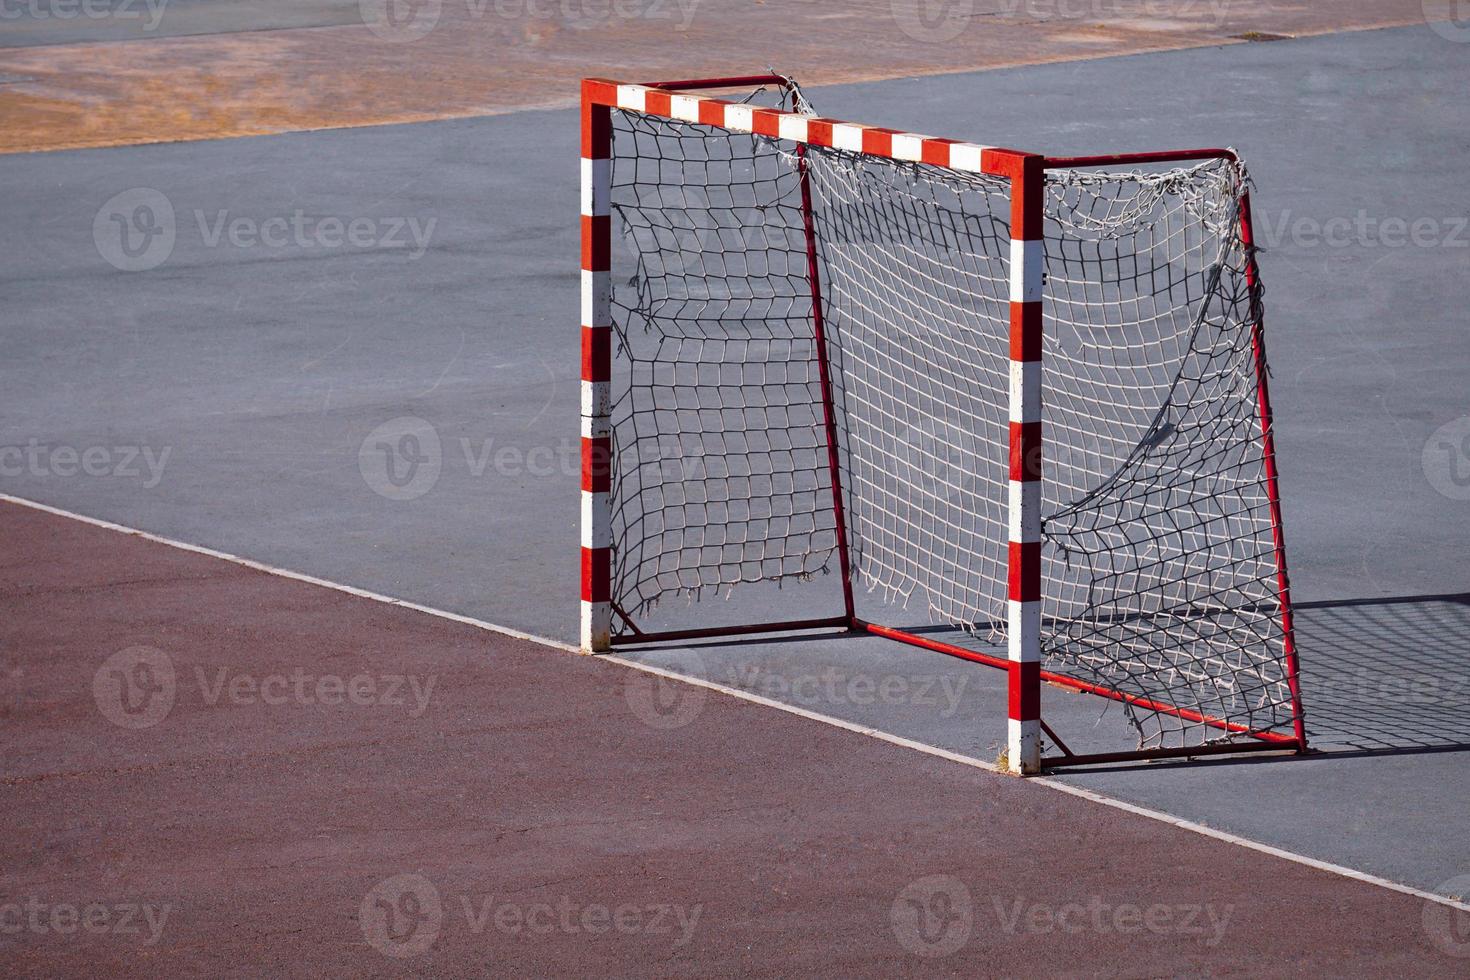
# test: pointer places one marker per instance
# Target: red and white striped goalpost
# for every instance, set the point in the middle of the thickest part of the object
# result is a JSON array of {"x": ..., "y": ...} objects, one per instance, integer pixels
[
  {"x": 1023, "y": 577},
  {"x": 596, "y": 372},
  {"x": 1026, "y": 174}
]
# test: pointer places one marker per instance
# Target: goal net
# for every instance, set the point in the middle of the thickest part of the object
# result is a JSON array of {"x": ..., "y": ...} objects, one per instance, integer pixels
[{"x": 1161, "y": 586}]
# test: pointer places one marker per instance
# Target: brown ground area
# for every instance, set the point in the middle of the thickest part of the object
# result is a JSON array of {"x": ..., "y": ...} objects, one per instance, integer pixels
[
  {"x": 546, "y": 829},
  {"x": 490, "y": 56}
]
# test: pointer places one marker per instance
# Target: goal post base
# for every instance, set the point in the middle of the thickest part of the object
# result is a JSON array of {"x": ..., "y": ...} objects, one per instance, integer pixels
[
  {"x": 1261, "y": 741},
  {"x": 1291, "y": 746}
]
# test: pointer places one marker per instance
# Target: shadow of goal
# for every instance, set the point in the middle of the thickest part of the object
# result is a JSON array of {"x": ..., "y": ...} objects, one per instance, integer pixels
[{"x": 1387, "y": 675}]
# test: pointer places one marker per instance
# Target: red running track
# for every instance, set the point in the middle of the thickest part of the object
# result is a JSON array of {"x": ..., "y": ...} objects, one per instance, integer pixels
[{"x": 545, "y": 829}]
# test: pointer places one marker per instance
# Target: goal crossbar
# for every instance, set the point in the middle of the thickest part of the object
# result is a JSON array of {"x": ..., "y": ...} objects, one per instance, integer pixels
[{"x": 676, "y": 103}]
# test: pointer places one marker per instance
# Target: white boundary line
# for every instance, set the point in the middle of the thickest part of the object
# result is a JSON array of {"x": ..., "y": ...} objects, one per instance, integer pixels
[
  {"x": 882, "y": 736},
  {"x": 287, "y": 573}
]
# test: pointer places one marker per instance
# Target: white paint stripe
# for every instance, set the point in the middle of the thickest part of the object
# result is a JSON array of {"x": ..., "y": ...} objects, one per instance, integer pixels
[
  {"x": 596, "y": 519},
  {"x": 966, "y": 156},
  {"x": 739, "y": 117},
  {"x": 908, "y": 146},
  {"x": 633, "y": 97},
  {"x": 1051, "y": 782},
  {"x": 596, "y": 398},
  {"x": 597, "y": 299},
  {"x": 1026, "y": 269},
  {"x": 846, "y": 136},
  {"x": 287, "y": 573},
  {"x": 1023, "y": 631},
  {"x": 685, "y": 107},
  {"x": 1023, "y": 744},
  {"x": 596, "y": 186},
  {"x": 594, "y": 426},
  {"x": 596, "y": 627},
  {"x": 1024, "y": 510},
  {"x": 793, "y": 127},
  {"x": 1025, "y": 404}
]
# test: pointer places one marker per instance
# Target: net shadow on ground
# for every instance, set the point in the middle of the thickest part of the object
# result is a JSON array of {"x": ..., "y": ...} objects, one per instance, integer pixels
[
  {"x": 1379, "y": 676},
  {"x": 1386, "y": 675}
]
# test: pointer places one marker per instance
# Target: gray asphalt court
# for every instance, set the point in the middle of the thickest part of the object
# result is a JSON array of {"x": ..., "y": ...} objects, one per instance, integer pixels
[{"x": 211, "y": 341}]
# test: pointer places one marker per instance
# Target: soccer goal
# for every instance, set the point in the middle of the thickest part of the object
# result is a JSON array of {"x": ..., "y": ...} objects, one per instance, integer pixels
[{"x": 823, "y": 364}]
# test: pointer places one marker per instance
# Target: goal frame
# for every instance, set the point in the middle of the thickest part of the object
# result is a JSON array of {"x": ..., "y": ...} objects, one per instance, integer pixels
[{"x": 1025, "y": 171}]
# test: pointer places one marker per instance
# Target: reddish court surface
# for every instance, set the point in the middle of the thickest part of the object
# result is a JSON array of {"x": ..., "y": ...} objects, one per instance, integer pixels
[{"x": 552, "y": 830}]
